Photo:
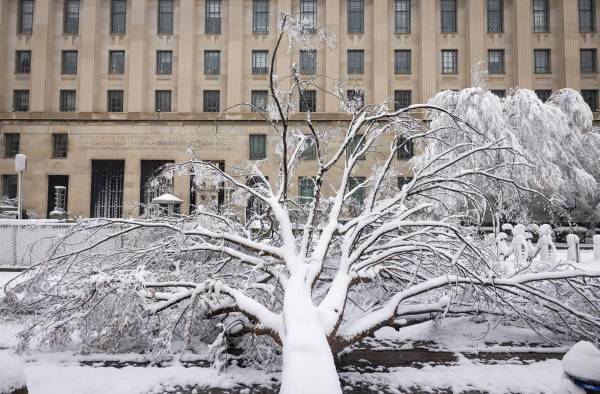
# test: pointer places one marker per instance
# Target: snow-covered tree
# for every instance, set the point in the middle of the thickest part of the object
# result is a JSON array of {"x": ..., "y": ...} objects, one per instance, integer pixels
[{"x": 311, "y": 275}]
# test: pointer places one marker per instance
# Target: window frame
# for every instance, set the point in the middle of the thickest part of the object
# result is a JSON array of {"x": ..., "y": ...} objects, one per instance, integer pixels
[
  {"x": 541, "y": 15},
  {"x": 208, "y": 100},
  {"x": 254, "y": 94},
  {"x": 209, "y": 67},
  {"x": 309, "y": 149},
  {"x": 25, "y": 19},
  {"x": 12, "y": 144},
  {"x": 212, "y": 17},
  {"x": 452, "y": 29},
  {"x": 64, "y": 64},
  {"x": 402, "y": 15},
  {"x": 260, "y": 139},
  {"x": 594, "y": 93},
  {"x": 405, "y": 149},
  {"x": 163, "y": 100},
  {"x": 308, "y": 61},
  {"x": 69, "y": 26},
  {"x": 25, "y": 96},
  {"x": 358, "y": 69},
  {"x": 308, "y": 103},
  {"x": 543, "y": 92},
  {"x": 67, "y": 97},
  {"x": 594, "y": 61},
  {"x": 591, "y": 13},
  {"x": 111, "y": 57},
  {"x": 397, "y": 69},
  {"x": 110, "y": 99},
  {"x": 60, "y": 145},
  {"x": 306, "y": 196},
  {"x": 355, "y": 13},
  {"x": 162, "y": 26},
  {"x": 18, "y": 66},
  {"x": 495, "y": 17},
  {"x": 537, "y": 69},
  {"x": 160, "y": 62},
  {"x": 260, "y": 14},
  {"x": 501, "y": 68},
  {"x": 9, "y": 185},
  {"x": 353, "y": 183},
  {"x": 397, "y": 96},
  {"x": 308, "y": 12},
  {"x": 454, "y": 58},
  {"x": 255, "y": 62},
  {"x": 115, "y": 17}
]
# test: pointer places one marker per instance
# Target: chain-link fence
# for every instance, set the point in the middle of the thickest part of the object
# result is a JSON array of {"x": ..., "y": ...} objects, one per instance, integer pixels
[{"x": 24, "y": 242}]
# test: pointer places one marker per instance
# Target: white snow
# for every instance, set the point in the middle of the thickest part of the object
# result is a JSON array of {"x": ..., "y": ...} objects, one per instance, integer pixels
[
  {"x": 583, "y": 362},
  {"x": 12, "y": 376},
  {"x": 6, "y": 277}
]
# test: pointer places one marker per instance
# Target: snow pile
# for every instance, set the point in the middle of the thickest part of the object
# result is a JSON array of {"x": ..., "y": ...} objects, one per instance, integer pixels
[
  {"x": 12, "y": 376},
  {"x": 583, "y": 362}
]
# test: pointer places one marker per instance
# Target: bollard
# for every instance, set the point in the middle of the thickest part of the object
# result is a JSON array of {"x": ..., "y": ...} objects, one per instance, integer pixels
[
  {"x": 596, "y": 239},
  {"x": 573, "y": 251}
]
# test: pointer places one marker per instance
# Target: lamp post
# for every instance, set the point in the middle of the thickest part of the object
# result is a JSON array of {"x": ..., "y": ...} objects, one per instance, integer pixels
[{"x": 20, "y": 167}]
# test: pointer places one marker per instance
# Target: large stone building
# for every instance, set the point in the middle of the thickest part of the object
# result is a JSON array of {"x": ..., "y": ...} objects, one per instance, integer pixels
[{"x": 97, "y": 93}]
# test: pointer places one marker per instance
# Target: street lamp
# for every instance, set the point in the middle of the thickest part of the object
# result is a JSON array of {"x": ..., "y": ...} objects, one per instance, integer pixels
[{"x": 20, "y": 167}]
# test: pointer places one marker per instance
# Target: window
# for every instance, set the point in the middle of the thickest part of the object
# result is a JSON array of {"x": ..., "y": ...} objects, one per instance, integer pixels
[
  {"x": 25, "y": 22},
  {"x": 308, "y": 103},
  {"x": 309, "y": 150},
  {"x": 404, "y": 180},
  {"x": 164, "y": 62},
  {"x": 116, "y": 62},
  {"x": 356, "y": 59},
  {"x": 9, "y": 186},
  {"x": 402, "y": 16},
  {"x": 260, "y": 62},
  {"x": 212, "y": 62},
  {"x": 542, "y": 61},
  {"x": 402, "y": 99},
  {"x": 12, "y": 143},
  {"x": 260, "y": 16},
  {"x": 308, "y": 12},
  {"x": 588, "y": 61},
  {"x": 405, "y": 149},
  {"x": 449, "y": 61},
  {"x": 356, "y": 16},
  {"x": 587, "y": 16},
  {"x": 60, "y": 143},
  {"x": 357, "y": 143},
  {"x": 21, "y": 100},
  {"x": 496, "y": 61},
  {"x": 67, "y": 101},
  {"x": 258, "y": 146},
  {"x": 543, "y": 94},
  {"x": 165, "y": 16},
  {"x": 499, "y": 92},
  {"x": 211, "y": 100},
  {"x": 118, "y": 16},
  {"x": 358, "y": 195},
  {"x": 402, "y": 61},
  {"x": 356, "y": 99},
  {"x": 114, "y": 101},
  {"x": 591, "y": 98},
  {"x": 306, "y": 189},
  {"x": 308, "y": 61},
  {"x": 213, "y": 17},
  {"x": 162, "y": 101},
  {"x": 259, "y": 100},
  {"x": 71, "y": 18},
  {"x": 69, "y": 62},
  {"x": 540, "y": 16},
  {"x": 448, "y": 10},
  {"x": 22, "y": 62},
  {"x": 495, "y": 16}
]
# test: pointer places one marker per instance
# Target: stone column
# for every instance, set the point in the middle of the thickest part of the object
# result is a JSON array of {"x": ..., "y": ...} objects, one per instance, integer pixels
[
  {"x": 137, "y": 57},
  {"x": 571, "y": 55},
  {"x": 235, "y": 54},
  {"x": 332, "y": 56},
  {"x": 87, "y": 55},
  {"x": 429, "y": 50},
  {"x": 283, "y": 63},
  {"x": 41, "y": 67},
  {"x": 523, "y": 43},
  {"x": 185, "y": 82},
  {"x": 381, "y": 17},
  {"x": 5, "y": 105},
  {"x": 131, "y": 184},
  {"x": 476, "y": 31}
]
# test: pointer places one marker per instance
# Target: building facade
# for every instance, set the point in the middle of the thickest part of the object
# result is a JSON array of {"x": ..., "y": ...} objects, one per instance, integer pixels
[{"x": 98, "y": 93}]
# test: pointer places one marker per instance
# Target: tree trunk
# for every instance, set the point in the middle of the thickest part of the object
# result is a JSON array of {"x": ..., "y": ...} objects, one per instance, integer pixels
[{"x": 308, "y": 365}]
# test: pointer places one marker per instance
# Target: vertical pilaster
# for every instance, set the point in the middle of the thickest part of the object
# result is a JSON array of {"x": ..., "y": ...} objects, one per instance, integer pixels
[
  {"x": 88, "y": 50},
  {"x": 572, "y": 69},
  {"x": 235, "y": 70},
  {"x": 137, "y": 57},
  {"x": 40, "y": 51},
  {"x": 476, "y": 31},
  {"x": 380, "y": 51},
  {"x": 332, "y": 55},
  {"x": 185, "y": 99},
  {"x": 283, "y": 63},
  {"x": 4, "y": 105},
  {"x": 429, "y": 50},
  {"x": 523, "y": 43}
]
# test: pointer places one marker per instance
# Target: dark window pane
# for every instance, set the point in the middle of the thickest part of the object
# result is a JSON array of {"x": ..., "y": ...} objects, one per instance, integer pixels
[
  {"x": 118, "y": 16},
  {"x": 60, "y": 143},
  {"x": 449, "y": 61},
  {"x": 213, "y": 17},
  {"x": 495, "y": 16},
  {"x": 25, "y": 22},
  {"x": 589, "y": 60},
  {"x": 308, "y": 12},
  {"x": 306, "y": 188},
  {"x": 12, "y": 143},
  {"x": 212, "y": 62},
  {"x": 259, "y": 100},
  {"x": 402, "y": 16},
  {"x": 21, "y": 100},
  {"x": 354, "y": 184},
  {"x": 260, "y": 62},
  {"x": 591, "y": 98},
  {"x": 404, "y": 180},
  {"x": 402, "y": 61},
  {"x": 308, "y": 103},
  {"x": 211, "y": 100},
  {"x": 540, "y": 16},
  {"x": 587, "y": 12},
  {"x": 9, "y": 186},
  {"x": 405, "y": 149},
  {"x": 543, "y": 94},
  {"x": 402, "y": 99},
  {"x": 496, "y": 61},
  {"x": 448, "y": 9},
  {"x": 542, "y": 61},
  {"x": 258, "y": 146},
  {"x": 356, "y": 16},
  {"x": 164, "y": 62},
  {"x": 308, "y": 61},
  {"x": 71, "y": 18},
  {"x": 67, "y": 100},
  {"x": 309, "y": 150},
  {"x": 115, "y": 101},
  {"x": 355, "y": 146},
  {"x": 356, "y": 99},
  {"x": 355, "y": 61},
  {"x": 499, "y": 92},
  {"x": 165, "y": 16},
  {"x": 260, "y": 16},
  {"x": 23, "y": 62},
  {"x": 162, "y": 101},
  {"x": 69, "y": 62},
  {"x": 116, "y": 62}
]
